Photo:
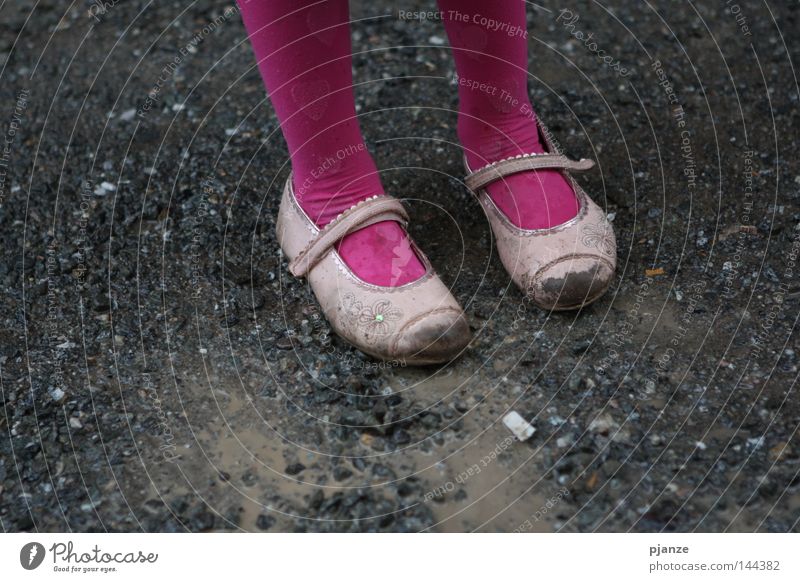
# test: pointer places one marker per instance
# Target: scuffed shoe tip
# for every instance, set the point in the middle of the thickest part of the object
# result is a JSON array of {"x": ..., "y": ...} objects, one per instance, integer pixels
[
  {"x": 434, "y": 338},
  {"x": 571, "y": 282}
]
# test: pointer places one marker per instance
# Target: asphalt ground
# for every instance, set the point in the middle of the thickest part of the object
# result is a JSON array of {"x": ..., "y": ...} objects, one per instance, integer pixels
[{"x": 161, "y": 371}]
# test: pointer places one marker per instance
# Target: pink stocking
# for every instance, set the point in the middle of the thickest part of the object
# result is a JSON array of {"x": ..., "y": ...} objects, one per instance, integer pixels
[
  {"x": 495, "y": 118},
  {"x": 303, "y": 52}
]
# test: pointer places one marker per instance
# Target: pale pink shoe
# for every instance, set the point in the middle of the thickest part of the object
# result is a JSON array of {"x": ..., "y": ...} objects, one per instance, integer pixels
[
  {"x": 416, "y": 323},
  {"x": 559, "y": 268}
]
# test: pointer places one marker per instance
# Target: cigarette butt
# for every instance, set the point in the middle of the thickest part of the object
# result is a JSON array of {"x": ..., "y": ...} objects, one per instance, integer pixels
[
  {"x": 521, "y": 428},
  {"x": 654, "y": 272}
]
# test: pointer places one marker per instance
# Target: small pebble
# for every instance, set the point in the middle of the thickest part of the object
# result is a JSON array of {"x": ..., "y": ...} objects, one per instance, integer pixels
[
  {"x": 295, "y": 468},
  {"x": 264, "y": 522}
]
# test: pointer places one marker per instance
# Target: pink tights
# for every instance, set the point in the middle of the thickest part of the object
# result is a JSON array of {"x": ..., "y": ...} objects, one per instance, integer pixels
[
  {"x": 303, "y": 51},
  {"x": 496, "y": 119}
]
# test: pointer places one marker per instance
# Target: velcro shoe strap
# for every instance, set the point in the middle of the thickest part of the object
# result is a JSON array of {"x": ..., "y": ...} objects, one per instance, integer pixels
[
  {"x": 370, "y": 211},
  {"x": 523, "y": 163}
]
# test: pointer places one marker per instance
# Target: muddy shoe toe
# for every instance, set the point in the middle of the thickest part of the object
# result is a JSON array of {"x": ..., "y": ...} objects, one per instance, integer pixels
[
  {"x": 571, "y": 282},
  {"x": 436, "y": 337}
]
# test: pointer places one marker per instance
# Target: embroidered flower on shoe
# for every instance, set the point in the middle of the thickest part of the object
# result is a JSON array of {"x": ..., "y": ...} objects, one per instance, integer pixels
[
  {"x": 374, "y": 321},
  {"x": 599, "y": 236},
  {"x": 379, "y": 319}
]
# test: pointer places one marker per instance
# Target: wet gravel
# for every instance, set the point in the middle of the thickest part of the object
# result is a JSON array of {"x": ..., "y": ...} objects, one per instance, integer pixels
[{"x": 160, "y": 371}]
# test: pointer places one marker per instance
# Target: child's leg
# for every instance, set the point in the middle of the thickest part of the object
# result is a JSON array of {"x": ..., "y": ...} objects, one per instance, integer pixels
[
  {"x": 303, "y": 51},
  {"x": 496, "y": 119}
]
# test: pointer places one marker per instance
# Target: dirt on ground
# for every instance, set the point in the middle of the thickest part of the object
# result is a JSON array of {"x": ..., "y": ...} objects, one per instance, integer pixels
[{"x": 160, "y": 370}]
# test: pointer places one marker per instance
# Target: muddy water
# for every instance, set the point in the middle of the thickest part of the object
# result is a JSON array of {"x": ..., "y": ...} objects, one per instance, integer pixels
[
  {"x": 473, "y": 477},
  {"x": 485, "y": 480}
]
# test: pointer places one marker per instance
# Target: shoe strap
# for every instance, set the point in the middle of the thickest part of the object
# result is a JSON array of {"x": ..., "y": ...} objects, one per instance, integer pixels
[
  {"x": 367, "y": 212},
  {"x": 523, "y": 163}
]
